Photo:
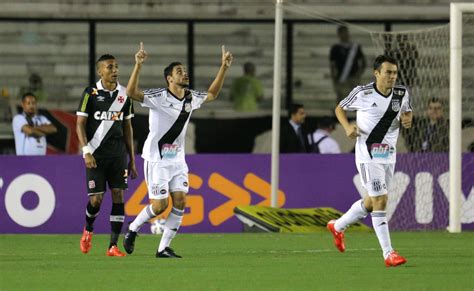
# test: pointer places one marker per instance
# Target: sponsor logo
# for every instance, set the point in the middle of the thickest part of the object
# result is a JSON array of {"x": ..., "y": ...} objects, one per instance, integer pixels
[
  {"x": 185, "y": 184},
  {"x": 100, "y": 98},
  {"x": 398, "y": 92},
  {"x": 121, "y": 99},
  {"x": 125, "y": 173},
  {"x": 169, "y": 151},
  {"x": 368, "y": 92},
  {"x": 381, "y": 150},
  {"x": 395, "y": 105},
  {"x": 91, "y": 184},
  {"x": 163, "y": 191},
  {"x": 108, "y": 115}
]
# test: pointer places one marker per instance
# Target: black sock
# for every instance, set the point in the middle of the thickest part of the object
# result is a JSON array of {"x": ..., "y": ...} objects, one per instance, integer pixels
[
  {"x": 117, "y": 216},
  {"x": 91, "y": 214}
]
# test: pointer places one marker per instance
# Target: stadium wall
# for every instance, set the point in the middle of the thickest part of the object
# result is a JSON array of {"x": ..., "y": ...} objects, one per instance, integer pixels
[{"x": 48, "y": 194}]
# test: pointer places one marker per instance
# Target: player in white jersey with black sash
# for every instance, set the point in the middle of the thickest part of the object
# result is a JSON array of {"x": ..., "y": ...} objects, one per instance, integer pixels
[
  {"x": 165, "y": 168},
  {"x": 104, "y": 129},
  {"x": 381, "y": 108}
]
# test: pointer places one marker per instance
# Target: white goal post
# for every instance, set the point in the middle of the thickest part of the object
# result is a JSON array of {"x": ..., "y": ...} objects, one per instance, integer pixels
[{"x": 455, "y": 113}]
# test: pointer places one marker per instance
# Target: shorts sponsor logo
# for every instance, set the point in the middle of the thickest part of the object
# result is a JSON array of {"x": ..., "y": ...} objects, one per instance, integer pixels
[
  {"x": 91, "y": 184},
  {"x": 169, "y": 151},
  {"x": 163, "y": 191},
  {"x": 125, "y": 173},
  {"x": 381, "y": 150},
  {"x": 185, "y": 184}
]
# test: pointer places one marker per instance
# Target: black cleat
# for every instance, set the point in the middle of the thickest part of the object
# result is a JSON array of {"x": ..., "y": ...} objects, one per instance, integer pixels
[
  {"x": 167, "y": 253},
  {"x": 129, "y": 241}
]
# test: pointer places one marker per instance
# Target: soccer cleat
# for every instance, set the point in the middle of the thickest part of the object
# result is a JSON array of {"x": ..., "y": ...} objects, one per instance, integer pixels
[
  {"x": 115, "y": 252},
  {"x": 167, "y": 253},
  {"x": 394, "y": 259},
  {"x": 338, "y": 236},
  {"x": 129, "y": 241},
  {"x": 86, "y": 241}
]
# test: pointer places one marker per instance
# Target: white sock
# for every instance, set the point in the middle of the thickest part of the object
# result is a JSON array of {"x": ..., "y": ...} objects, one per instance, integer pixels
[
  {"x": 355, "y": 213},
  {"x": 144, "y": 215},
  {"x": 171, "y": 227},
  {"x": 380, "y": 224}
]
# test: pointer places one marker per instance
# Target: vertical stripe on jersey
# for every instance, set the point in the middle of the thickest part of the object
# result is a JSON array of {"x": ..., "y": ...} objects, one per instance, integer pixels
[
  {"x": 381, "y": 128},
  {"x": 175, "y": 130},
  {"x": 84, "y": 102},
  {"x": 104, "y": 126}
]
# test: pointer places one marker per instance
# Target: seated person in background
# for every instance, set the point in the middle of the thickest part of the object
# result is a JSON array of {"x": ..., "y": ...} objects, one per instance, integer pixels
[
  {"x": 321, "y": 141},
  {"x": 293, "y": 136},
  {"x": 30, "y": 129},
  {"x": 432, "y": 132},
  {"x": 246, "y": 91}
]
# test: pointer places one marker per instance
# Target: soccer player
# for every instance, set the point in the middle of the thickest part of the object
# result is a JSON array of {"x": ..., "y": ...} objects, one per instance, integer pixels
[
  {"x": 165, "y": 167},
  {"x": 381, "y": 107},
  {"x": 104, "y": 129}
]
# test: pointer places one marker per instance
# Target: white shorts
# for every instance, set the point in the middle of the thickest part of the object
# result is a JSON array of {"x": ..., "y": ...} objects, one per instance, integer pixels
[
  {"x": 163, "y": 179},
  {"x": 376, "y": 178}
]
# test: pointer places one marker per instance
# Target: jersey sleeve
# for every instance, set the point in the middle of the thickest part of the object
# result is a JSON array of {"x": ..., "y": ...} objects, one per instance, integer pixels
[
  {"x": 153, "y": 97},
  {"x": 129, "y": 111},
  {"x": 44, "y": 120},
  {"x": 406, "y": 103},
  {"x": 84, "y": 105},
  {"x": 353, "y": 101},
  {"x": 18, "y": 122},
  {"x": 198, "y": 98}
]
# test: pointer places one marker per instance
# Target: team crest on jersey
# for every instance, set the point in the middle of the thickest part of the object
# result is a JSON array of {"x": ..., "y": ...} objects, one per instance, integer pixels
[
  {"x": 169, "y": 151},
  {"x": 91, "y": 184},
  {"x": 187, "y": 106},
  {"x": 121, "y": 99},
  {"x": 396, "y": 105}
]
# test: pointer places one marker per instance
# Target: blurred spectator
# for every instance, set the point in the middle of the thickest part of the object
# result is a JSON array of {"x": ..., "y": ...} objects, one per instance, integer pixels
[
  {"x": 406, "y": 55},
  {"x": 5, "y": 110},
  {"x": 30, "y": 129},
  {"x": 432, "y": 132},
  {"x": 293, "y": 136},
  {"x": 35, "y": 86},
  {"x": 347, "y": 64},
  {"x": 321, "y": 141},
  {"x": 246, "y": 91}
]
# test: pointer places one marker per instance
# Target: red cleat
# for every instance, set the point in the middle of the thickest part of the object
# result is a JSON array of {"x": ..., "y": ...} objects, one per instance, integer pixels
[
  {"x": 394, "y": 259},
  {"x": 86, "y": 241},
  {"x": 338, "y": 236},
  {"x": 115, "y": 252}
]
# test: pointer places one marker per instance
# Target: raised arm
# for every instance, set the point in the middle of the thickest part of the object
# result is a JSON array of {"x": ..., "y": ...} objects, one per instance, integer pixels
[
  {"x": 132, "y": 86},
  {"x": 216, "y": 85}
]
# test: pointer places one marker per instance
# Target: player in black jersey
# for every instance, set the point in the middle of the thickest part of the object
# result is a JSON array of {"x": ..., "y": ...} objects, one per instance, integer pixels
[{"x": 105, "y": 134}]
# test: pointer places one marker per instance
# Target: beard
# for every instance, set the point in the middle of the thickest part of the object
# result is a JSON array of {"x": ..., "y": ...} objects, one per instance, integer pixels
[{"x": 183, "y": 85}]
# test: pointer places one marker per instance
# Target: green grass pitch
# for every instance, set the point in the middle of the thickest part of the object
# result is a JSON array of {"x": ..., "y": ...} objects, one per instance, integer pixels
[{"x": 436, "y": 261}]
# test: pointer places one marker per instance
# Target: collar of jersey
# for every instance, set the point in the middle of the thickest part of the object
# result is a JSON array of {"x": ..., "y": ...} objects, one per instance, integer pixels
[
  {"x": 380, "y": 93},
  {"x": 100, "y": 87},
  {"x": 174, "y": 98}
]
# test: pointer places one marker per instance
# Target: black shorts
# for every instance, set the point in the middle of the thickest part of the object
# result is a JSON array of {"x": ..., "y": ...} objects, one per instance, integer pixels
[{"x": 111, "y": 170}]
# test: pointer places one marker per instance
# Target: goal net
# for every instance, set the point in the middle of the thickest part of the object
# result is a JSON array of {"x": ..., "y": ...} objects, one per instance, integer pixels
[{"x": 419, "y": 196}]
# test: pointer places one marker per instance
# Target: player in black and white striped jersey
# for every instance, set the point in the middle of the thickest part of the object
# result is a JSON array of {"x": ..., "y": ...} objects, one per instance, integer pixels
[
  {"x": 165, "y": 168},
  {"x": 105, "y": 134},
  {"x": 381, "y": 108}
]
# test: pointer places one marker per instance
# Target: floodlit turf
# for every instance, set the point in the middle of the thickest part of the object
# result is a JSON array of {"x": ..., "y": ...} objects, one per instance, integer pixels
[{"x": 436, "y": 261}]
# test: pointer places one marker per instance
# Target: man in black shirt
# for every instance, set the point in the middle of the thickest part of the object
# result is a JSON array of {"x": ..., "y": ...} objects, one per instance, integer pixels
[{"x": 105, "y": 134}]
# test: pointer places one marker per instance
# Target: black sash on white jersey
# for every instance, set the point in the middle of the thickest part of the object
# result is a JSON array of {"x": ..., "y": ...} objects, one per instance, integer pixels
[
  {"x": 380, "y": 130},
  {"x": 175, "y": 130}
]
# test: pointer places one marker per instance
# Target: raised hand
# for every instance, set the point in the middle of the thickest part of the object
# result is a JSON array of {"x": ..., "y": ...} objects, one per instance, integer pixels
[
  {"x": 226, "y": 57},
  {"x": 141, "y": 55}
]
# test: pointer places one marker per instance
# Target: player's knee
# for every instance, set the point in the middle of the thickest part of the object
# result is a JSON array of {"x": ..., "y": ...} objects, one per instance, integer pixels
[
  {"x": 96, "y": 200},
  {"x": 179, "y": 201},
  {"x": 117, "y": 195},
  {"x": 159, "y": 205},
  {"x": 379, "y": 202}
]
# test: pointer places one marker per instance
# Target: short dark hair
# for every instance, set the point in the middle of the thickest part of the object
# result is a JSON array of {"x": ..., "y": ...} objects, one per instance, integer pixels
[
  {"x": 105, "y": 57},
  {"x": 327, "y": 122},
  {"x": 23, "y": 97},
  {"x": 169, "y": 70},
  {"x": 380, "y": 59},
  {"x": 342, "y": 28},
  {"x": 435, "y": 100},
  {"x": 294, "y": 107},
  {"x": 249, "y": 67}
]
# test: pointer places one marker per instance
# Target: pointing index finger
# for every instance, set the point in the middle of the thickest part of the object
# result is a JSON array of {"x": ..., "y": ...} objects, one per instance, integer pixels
[
  {"x": 141, "y": 45},
  {"x": 223, "y": 49}
]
